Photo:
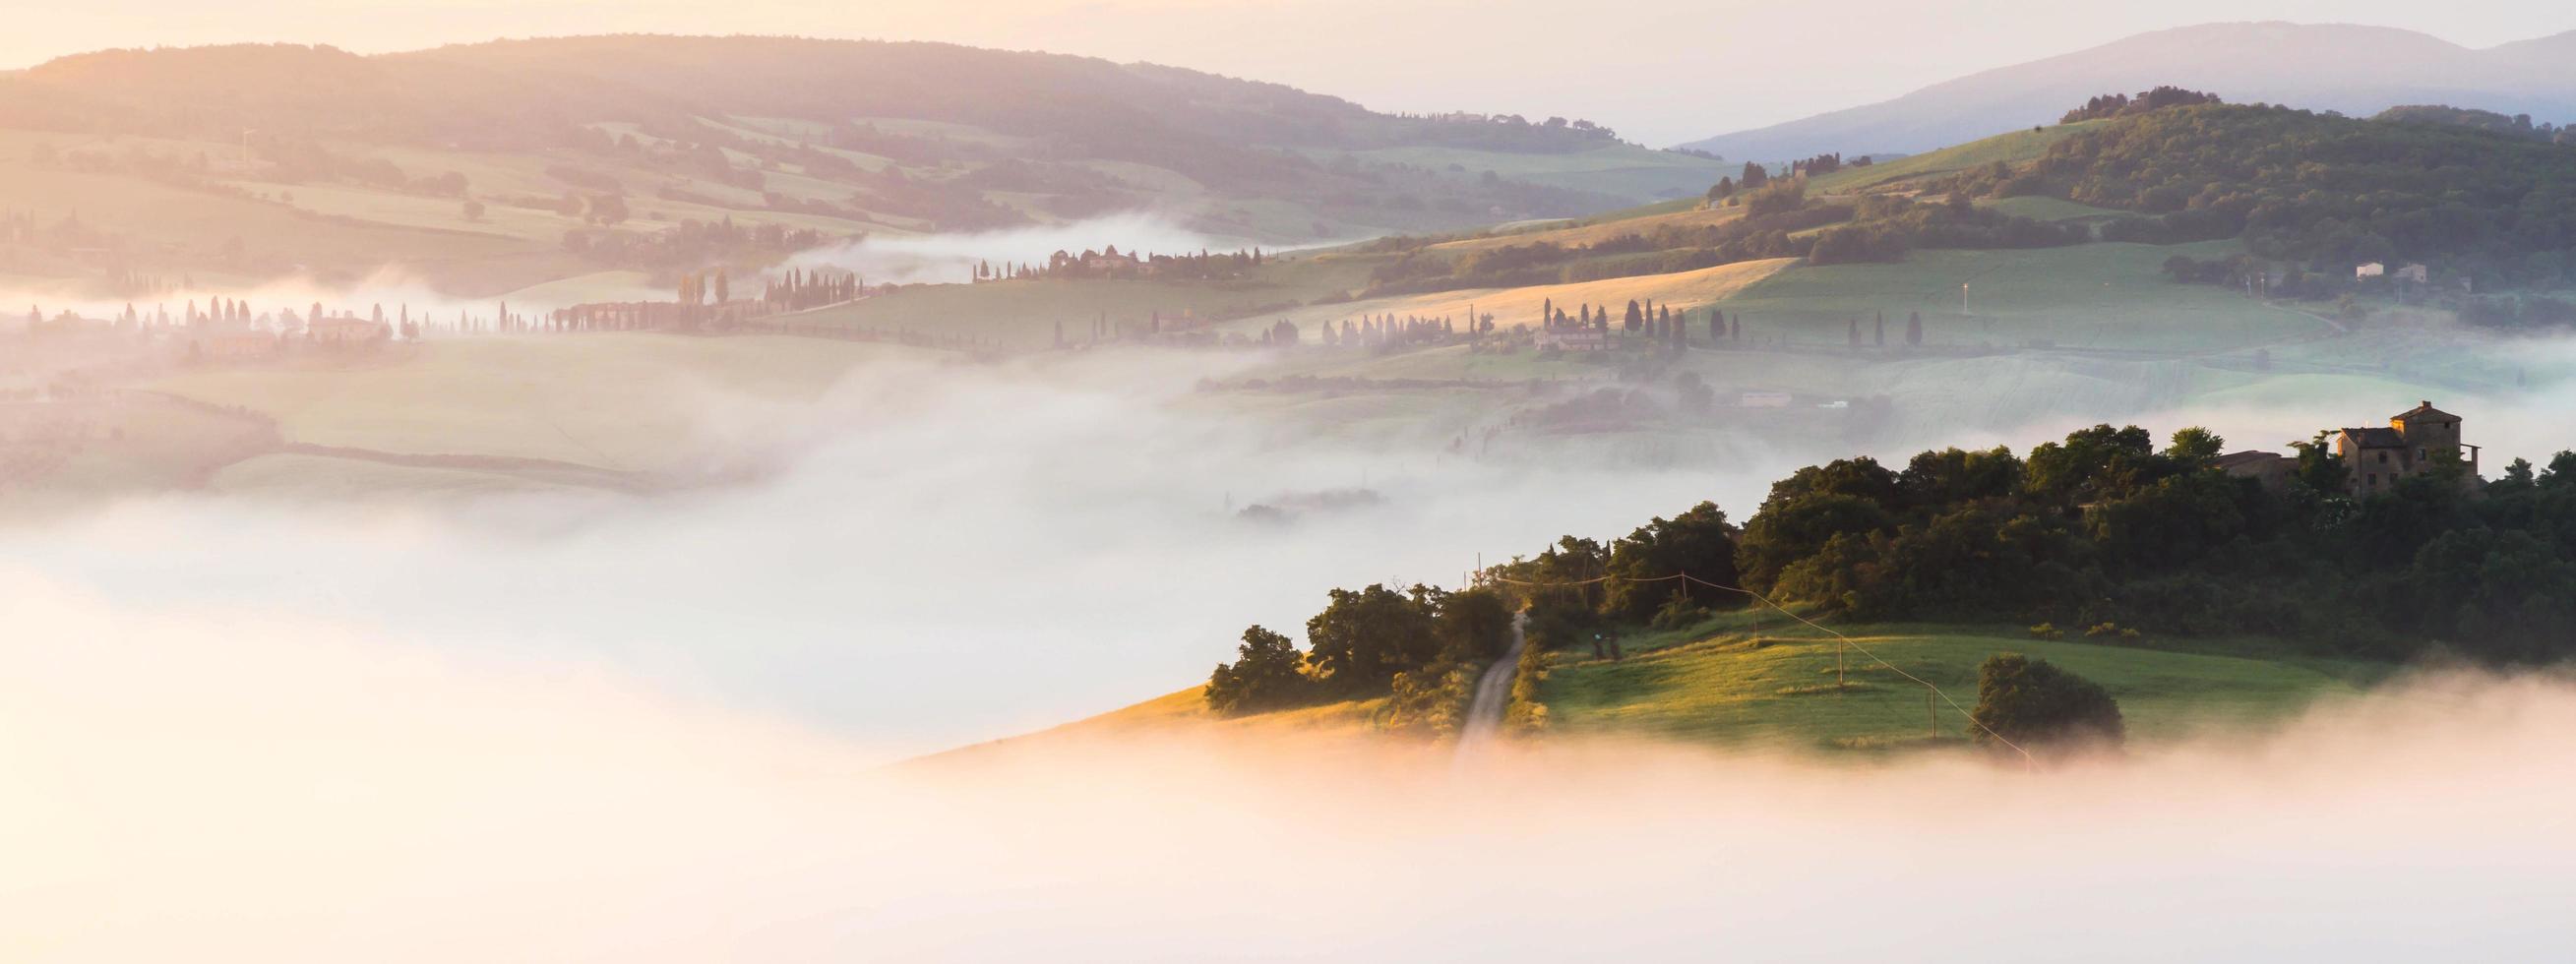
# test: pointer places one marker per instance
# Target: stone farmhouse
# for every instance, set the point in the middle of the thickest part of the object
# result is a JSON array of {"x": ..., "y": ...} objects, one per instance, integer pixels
[{"x": 2416, "y": 441}]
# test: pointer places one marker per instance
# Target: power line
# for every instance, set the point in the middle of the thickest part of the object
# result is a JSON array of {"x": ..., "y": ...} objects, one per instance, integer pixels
[{"x": 1840, "y": 639}]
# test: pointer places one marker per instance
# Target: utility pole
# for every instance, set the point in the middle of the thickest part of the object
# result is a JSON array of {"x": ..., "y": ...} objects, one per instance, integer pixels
[
  {"x": 1963, "y": 299},
  {"x": 1934, "y": 714}
]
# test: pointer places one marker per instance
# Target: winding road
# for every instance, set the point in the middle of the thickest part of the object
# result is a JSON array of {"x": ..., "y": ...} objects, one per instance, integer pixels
[{"x": 1493, "y": 696}]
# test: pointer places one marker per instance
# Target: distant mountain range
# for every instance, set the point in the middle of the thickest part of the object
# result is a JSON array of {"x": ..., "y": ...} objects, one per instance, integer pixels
[{"x": 2353, "y": 69}]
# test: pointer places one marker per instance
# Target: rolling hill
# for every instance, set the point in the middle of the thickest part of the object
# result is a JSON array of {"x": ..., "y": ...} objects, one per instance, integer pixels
[
  {"x": 473, "y": 165},
  {"x": 2351, "y": 69}
]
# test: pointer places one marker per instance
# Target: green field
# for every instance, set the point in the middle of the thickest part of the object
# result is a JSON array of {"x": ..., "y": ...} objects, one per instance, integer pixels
[
  {"x": 1909, "y": 171},
  {"x": 2093, "y": 296},
  {"x": 1769, "y": 682},
  {"x": 1623, "y": 171},
  {"x": 1742, "y": 680},
  {"x": 1025, "y": 314}
]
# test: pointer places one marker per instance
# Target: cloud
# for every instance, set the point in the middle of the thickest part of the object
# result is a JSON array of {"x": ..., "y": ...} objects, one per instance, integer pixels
[{"x": 225, "y": 783}]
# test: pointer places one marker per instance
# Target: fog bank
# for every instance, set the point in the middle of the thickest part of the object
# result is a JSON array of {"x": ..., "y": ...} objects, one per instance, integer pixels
[
  {"x": 266, "y": 786},
  {"x": 950, "y": 258}
]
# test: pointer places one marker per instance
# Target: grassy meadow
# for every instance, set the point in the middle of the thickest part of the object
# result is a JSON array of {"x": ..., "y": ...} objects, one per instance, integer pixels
[
  {"x": 2094, "y": 296},
  {"x": 1909, "y": 171},
  {"x": 1767, "y": 680}
]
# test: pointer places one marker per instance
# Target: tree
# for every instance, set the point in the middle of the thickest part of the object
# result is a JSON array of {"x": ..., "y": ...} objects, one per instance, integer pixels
[
  {"x": 1473, "y": 624},
  {"x": 607, "y": 209},
  {"x": 1699, "y": 543},
  {"x": 2320, "y": 469},
  {"x": 2195, "y": 446},
  {"x": 1364, "y": 637},
  {"x": 473, "y": 210},
  {"x": 2034, "y": 704},
  {"x": 1264, "y": 676},
  {"x": 1914, "y": 328}
]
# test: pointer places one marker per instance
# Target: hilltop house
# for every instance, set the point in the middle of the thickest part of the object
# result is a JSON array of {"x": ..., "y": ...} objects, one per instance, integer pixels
[{"x": 2415, "y": 441}]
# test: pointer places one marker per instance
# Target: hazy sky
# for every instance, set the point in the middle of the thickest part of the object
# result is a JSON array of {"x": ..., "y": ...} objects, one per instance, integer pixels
[{"x": 1660, "y": 71}]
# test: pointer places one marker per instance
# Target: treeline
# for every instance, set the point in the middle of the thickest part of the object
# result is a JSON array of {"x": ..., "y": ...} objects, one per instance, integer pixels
[
  {"x": 2318, "y": 189},
  {"x": 2518, "y": 125},
  {"x": 2122, "y": 105},
  {"x": 1415, "y": 645},
  {"x": 2105, "y": 527},
  {"x": 1109, "y": 263}
]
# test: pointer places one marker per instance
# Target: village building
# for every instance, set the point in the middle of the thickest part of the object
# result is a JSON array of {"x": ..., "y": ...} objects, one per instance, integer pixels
[
  {"x": 2372, "y": 270},
  {"x": 2273, "y": 469},
  {"x": 344, "y": 330},
  {"x": 2415, "y": 442}
]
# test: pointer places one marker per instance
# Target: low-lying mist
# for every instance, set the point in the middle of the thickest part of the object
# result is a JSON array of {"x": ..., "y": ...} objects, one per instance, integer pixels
[
  {"x": 948, "y": 552},
  {"x": 253, "y": 784},
  {"x": 951, "y": 258}
]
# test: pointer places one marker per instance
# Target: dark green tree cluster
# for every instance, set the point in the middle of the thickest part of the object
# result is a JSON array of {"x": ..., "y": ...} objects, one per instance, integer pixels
[
  {"x": 1639, "y": 588},
  {"x": 2123, "y": 105},
  {"x": 2106, "y": 527},
  {"x": 1363, "y": 643}
]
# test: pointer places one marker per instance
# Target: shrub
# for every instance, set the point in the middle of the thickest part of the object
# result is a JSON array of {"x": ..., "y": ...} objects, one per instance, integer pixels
[{"x": 2034, "y": 704}]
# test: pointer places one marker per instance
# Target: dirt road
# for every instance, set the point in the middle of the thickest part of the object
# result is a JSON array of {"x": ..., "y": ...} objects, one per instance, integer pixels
[{"x": 1493, "y": 695}]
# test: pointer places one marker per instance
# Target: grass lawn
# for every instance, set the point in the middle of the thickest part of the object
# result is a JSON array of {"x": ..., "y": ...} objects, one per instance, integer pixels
[
  {"x": 2014, "y": 147},
  {"x": 2101, "y": 296},
  {"x": 1742, "y": 680},
  {"x": 1025, "y": 314}
]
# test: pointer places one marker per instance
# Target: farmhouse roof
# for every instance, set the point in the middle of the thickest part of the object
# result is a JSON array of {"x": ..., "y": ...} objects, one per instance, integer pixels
[
  {"x": 2425, "y": 410},
  {"x": 2376, "y": 438}
]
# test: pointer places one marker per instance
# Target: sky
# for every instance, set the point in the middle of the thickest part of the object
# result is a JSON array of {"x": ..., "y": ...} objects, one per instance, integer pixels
[{"x": 1659, "y": 71}]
